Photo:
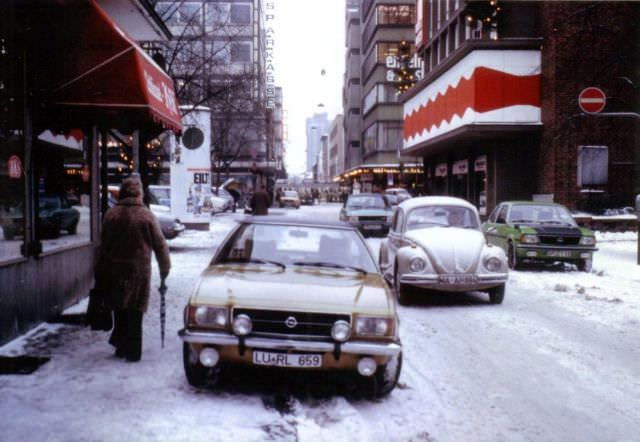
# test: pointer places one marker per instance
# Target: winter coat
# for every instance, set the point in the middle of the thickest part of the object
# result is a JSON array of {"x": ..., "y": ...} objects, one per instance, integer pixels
[
  {"x": 130, "y": 232},
  {"x": 260, "y": 203}
]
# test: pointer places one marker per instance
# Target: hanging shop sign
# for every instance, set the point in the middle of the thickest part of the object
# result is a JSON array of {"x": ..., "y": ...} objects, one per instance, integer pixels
[
  {"x": 460, "y": 167},
  {"x": 441, "y": 170},
  {"x": 270, "y": 89},
  {"x": 480, "y": 164},
  {"x": 366, "y": 177},
  {"x": 14, "y": 164}
]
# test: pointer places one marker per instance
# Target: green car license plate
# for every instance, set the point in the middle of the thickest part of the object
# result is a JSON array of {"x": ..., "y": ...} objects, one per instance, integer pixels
[
  {"x": 372, "y": 227},
  {"x": 287, "y": 359},
  {"x": 559, "y": 253}
]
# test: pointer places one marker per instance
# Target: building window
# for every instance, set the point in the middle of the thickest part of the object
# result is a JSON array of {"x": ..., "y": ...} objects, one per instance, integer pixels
[
  {"x": 593, "y": 166},
  {"x": 240, "y": 52},
  {"x": 396, "y": 15},
  {"x": 240, "y": 14}
]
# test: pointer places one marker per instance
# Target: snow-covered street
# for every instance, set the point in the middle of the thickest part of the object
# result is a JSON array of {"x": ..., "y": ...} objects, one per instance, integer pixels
[{"x": 557, "y": 361}]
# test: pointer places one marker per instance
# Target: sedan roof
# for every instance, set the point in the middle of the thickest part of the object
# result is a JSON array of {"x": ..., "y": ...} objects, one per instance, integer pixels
[{"x": 291, "y": 221}]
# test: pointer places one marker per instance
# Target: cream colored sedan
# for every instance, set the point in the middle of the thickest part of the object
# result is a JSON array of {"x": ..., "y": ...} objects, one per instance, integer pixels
[{"x": 298, "y": 295}]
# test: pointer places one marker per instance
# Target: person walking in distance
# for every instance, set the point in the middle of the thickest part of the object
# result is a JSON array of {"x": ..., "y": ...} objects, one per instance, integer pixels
[
  {"x": 260, "y": 202},
  {"x": 130, "y": 232}
]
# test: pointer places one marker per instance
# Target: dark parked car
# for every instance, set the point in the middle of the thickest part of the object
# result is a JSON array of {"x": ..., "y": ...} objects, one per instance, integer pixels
[
  {"x": 55, "y": 214},
  {"x": 531, "y": 231},
  {"x": 368, "y": 212}
]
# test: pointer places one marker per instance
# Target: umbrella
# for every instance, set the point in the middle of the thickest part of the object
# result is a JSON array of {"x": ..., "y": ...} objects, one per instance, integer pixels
[{"x": 162, "y": 289}]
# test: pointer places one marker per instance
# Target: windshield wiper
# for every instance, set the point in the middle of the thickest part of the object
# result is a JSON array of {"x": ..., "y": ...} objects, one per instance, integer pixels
[
  {"x": 256, "y": 261},
  {"x": 329, "y": 264}
]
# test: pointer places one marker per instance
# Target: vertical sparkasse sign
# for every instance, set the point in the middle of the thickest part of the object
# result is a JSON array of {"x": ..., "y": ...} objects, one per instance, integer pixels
[{"x": 269, "y": 69}]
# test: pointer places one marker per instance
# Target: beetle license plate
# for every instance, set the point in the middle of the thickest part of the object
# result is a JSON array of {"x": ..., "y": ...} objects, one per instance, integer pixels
[
  {"x": 287, "y": 359},
  {"x": 458, "y": 279}
]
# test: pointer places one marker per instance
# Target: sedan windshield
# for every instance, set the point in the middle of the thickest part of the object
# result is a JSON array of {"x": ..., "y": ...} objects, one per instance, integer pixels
[
  {"x": 443, "y": 216},
  {"x": 291, "y": 245},
  {"x": 543, "y": 214},
  {"x": 291, "y": 194},
  {"x": 366, "y": 202}
]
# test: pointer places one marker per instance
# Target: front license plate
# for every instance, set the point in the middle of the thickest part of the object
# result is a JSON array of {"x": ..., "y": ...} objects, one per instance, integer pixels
[
  {"x": 457, "y": 279},
  {"x": 372, "y": 227},
  {"x": 559, "y": 253},
  {"x": 287, "y": 359}
]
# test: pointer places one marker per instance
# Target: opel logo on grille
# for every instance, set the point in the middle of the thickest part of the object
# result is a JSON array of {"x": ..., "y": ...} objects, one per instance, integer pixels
[
  {"x": 560, "y": 239},
  {"x": 291, "y": 322}
]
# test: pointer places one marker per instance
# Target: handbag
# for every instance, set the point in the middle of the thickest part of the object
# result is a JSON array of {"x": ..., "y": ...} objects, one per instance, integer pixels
[{"x": 99, "y": 315}]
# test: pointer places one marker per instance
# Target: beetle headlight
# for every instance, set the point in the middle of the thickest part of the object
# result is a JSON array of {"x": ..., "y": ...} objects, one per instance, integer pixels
[
  {"x": 492, "y": 264},
  {"x": 341, "y": 331},
  {"x": 529, "y": 239},
  {"x": 242, "y": 325},
  {"x": 587, "y": 241},
  {"x": 417, "y": 264},
  {"x": 373, "y": 326},
  {"x": 210, "y": 316}
]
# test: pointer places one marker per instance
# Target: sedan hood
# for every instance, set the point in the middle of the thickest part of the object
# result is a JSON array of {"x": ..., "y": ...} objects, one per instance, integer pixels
[
  {"x": 367, "y": 212},
  {"x": 321, "y": 290},
  {"x": 450, "y": 249}
]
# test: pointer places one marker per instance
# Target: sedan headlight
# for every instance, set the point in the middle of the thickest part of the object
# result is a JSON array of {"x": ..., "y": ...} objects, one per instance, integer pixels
[
  {"x": 529, "y": 239},
  {"x": 492, "y": 264},
  {"x": 242, "y": 325},
  {"x": 373, "y": 326},
  {"x": 587, "y": 241},
  {"x": 341, "y": 331},
  {"x": 417, "y": 264},
  {"x": 210, "y": 316}
]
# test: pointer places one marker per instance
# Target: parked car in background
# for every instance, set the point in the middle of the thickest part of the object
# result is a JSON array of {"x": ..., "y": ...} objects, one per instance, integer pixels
[
  {"x": 293, "y": 295},
  {"x": 224, "y": 194},
  {"x": 306, "y": 199},
  {"x": 436, "y": 243},
  {"x": 531, "y": 231},
  {"x": 212, "y": 204},
  {"x": 55, "y": 214},
  {"x": 171, "y": 226},
  {"x": 162, "y": 194},
  {"x": 400, "y": 193},
  {"x": 290, "y": 198},
  {"x": 369, "y": 212}
]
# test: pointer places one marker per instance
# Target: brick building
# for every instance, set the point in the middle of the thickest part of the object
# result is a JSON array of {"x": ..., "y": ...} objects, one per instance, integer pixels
[{"x": 497, "y": 117}]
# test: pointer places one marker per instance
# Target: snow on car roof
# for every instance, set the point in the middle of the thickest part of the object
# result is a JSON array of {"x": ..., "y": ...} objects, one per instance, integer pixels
[{"x": 435, "y": 201}]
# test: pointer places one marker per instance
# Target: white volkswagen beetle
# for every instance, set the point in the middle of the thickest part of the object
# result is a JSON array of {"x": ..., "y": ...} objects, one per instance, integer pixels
[{"x": 436, "y": 243}]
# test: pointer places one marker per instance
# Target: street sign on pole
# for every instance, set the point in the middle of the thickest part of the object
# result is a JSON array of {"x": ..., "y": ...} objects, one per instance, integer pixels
[{"x": 592, "y": 100}]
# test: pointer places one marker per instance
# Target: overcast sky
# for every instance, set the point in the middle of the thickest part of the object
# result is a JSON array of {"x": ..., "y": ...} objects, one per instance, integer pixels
[{"x": 309, "y": 38}]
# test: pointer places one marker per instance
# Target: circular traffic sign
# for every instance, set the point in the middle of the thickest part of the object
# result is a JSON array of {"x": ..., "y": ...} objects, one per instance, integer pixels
[
  {"x": 592, "y": 100},
  {"x": 192, "y": 138}
]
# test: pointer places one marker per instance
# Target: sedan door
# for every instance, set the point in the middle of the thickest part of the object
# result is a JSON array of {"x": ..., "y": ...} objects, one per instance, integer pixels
[{"x": 496, "y": 229}]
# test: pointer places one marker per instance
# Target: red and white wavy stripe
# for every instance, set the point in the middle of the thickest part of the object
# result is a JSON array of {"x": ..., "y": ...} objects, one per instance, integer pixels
[{"x": 486, "y": 87}]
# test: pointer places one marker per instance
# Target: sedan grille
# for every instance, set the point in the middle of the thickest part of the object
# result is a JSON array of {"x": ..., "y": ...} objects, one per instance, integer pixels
[
  {"x": 372, "y": 218},
  {"x": 560, "y": 240},
  {"x": 292, "y": 323}
]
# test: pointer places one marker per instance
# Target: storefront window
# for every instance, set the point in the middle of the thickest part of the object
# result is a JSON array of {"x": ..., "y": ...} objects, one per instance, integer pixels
[
  {"x": 12, "y": 177},
  {"x": 63, "y": 190}
]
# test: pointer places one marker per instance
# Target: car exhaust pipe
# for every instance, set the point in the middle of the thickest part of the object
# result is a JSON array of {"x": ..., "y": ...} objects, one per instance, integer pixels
[{"x": 209, "y": 357}]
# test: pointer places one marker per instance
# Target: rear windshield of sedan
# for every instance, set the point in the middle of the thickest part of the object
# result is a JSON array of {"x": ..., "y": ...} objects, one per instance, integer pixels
[
  {"x": 366, "y": 202},
  {"x": 442, "y": 216},
  {"x": 295, "y": 245},
  {"x": 291, "y": 193},
  {"x": 534, "y": 213}
]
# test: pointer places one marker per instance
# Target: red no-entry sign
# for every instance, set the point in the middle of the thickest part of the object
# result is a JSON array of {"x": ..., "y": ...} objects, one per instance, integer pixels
[{"x": 592, "y": 100}]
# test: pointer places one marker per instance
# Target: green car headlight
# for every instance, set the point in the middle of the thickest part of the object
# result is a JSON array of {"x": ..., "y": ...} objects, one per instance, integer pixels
[
  {"x": 529, "y": 239},
  {"x": 588, "y": 241},
  {"x": 373, "y": 326},
  {"x": 210, "y": 316}
]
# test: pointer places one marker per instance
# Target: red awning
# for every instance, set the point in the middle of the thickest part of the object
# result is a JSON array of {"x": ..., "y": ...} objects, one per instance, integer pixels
[{"x": 103, "y": 75}]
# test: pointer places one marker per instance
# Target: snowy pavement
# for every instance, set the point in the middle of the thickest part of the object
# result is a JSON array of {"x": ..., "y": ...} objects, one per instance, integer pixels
[{"x": 557, "y": 361}]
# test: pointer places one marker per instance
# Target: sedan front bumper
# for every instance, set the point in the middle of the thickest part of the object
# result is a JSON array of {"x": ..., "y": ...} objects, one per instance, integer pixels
[{"x": 350, "y": 347}]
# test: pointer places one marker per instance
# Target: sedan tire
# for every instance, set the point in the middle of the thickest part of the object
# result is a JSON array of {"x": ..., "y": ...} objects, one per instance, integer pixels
[
  {"x": 513, "y": 257},
  {"x": 585, "y": 265},
  {"x": 196, "y": 373},
  {"x": 386, "y": 377},
  {"x": 496, "y": 294}
]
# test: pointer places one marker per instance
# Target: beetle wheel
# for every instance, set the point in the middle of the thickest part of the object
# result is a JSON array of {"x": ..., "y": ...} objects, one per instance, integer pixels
[
  {"x": 496, "y": 294},
  {"x": 402, "y": 291}
]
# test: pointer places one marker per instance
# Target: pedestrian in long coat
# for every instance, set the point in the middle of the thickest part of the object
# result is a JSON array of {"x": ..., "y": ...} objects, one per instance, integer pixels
[
  {"x": 130, "y": 232},
  {"x": 260, "y": 202}
]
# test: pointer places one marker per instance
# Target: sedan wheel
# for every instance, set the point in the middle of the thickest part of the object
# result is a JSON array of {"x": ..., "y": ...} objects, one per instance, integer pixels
[
  {"x": 513, "y": 257},
  {"x": 386, "y": 377},
  {"x": 197, "y": 374},
  {"x": 496, "y": 294},
  {"x": 585, "y": 265}
]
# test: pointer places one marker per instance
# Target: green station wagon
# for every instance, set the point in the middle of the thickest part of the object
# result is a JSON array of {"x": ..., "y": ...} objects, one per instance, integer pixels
[{"x": 531, "y": 231}]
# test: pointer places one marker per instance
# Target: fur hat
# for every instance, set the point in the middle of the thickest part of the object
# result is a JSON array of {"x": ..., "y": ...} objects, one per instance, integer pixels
[{"x": 131, "y": 188}]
